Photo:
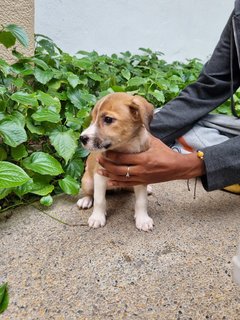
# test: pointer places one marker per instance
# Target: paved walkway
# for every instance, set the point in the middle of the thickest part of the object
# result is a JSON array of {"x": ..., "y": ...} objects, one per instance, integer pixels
[{"x": 181, "y": 270}]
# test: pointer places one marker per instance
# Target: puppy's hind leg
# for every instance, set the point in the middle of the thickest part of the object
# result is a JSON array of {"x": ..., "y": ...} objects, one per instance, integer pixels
[
  {"x": 87, "y": 187},
  {"x": 149, "y": 190},
  {"x": 143, "y": 221}
]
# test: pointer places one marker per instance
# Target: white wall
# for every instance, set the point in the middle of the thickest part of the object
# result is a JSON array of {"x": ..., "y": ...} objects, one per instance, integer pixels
[{"x": 181, "y": 29}]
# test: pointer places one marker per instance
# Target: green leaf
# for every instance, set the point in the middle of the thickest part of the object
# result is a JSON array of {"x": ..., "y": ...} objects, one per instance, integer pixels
[
  {"x": 45, "y": 114},
  {"x": 90, "y": 99},
  {"x": 43, "y": 163},
  {"x": 22, "y": 68},
  {"x": 19, "y": 152},
  {"x": 69, "y": 185},
  {"x": 83, "y": 63},
  {"x": 174, "y": 88},
  {"x": 126, "y": 74},
  {"x": 75, "y": 168},
  {"x": 76, "y": 165},
  {"x": 94, "y": 76},
  {"x": 12, "y": 131},
  {"x": 37, "y": 185},
  {"x": 81, "y": 153},
  {"x": 75, "y": 97},
  {"x": 11, "y": 175},
  {"x": 44, "y": 191},
  {"x": 46, "y": 201},
  {"x": 18, "y": 33},
  {"x": 137, "y": 81},
  {"x": 83, "y": 113},
  {"x": 4, "y": 192},
  {"x": 118, "y": 88},
  {"x": 4, "y": 297},
  {"x": 3, "y": 154},
  {"x": 73, "y": 122},
  {"x": 2, "y": 116},
  {"x": 24, "y": 188},
  {"x": 163, "y": 84},
  {"x": 224, "y": 109},
  {"x": 43, "y": 76},
  {"x": 4, "y": 67},
  {"x": 25, "y": 98},
  {"x": 18, "y": 117},
  {"x": 55, "y": 84},
  {"x": 38, "y": 188},
  {"x": 73, "y": 79},
  {"x": 40, "y": 63},
  {"x": 158, "y": 95},
  {"x": 18, "y": 82},
  {"x": 34, "y": 129},
  {"x": 64, "y": 141},
  {"x": 47, "y": 45},
  {"x": 7, "y": 39},
  {"x": 48, "y": 100}
]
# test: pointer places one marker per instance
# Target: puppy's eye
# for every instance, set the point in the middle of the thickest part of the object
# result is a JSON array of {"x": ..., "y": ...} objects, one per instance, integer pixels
[{"x": 108, "y": 120}]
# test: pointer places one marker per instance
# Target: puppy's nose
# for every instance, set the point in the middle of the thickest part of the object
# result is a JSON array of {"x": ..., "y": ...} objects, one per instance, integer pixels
[{"x": 84, "y": 139}]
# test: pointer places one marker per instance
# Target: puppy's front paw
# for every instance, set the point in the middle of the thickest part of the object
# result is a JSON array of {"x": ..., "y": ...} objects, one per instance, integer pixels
[
  {"x": 144, "y": 223},
  {"x": 97, "y": 220},
  {"x": 85, "y": 202},
  {"x": 149, "y": 190}
]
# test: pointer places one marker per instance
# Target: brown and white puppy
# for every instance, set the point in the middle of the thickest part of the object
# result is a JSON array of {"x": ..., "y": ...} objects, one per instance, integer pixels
[{"x": 119, "y": 122}]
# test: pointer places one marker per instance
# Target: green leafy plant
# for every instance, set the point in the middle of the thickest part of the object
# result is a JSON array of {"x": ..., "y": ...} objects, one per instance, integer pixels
[
  {"x": 4, "y": 297},
  {"x": 12, "y": 33},
  {"x": 45, "y": 102}
]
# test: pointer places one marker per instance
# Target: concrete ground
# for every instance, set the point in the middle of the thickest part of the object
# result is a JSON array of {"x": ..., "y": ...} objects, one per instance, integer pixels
[{"x": 181, "y": 270}]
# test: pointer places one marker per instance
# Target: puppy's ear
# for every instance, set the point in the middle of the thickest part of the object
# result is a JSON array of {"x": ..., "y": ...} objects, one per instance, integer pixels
[
  {"x": 97, "y": 106},
  {"x": 142, "y": 110}
]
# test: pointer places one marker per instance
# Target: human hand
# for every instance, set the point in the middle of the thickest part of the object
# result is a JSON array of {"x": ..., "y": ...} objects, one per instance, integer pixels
[{"x": 158, "y": 164}]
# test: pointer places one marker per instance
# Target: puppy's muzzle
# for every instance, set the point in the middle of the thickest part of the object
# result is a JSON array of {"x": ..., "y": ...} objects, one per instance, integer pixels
[
  {"x": 94, "y": 143},
  {"x": 84, "y": 139}
]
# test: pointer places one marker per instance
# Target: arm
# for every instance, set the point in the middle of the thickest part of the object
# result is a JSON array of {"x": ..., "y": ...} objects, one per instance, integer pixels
[
  {"x": 220, "y": 167},
  {"x": 158, "y": 164},
  {"x": 222, "y": 162},
  {"x": 198, "y": 99}
]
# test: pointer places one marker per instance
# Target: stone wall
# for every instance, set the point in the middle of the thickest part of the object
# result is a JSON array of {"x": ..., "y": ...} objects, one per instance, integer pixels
[{"x": 19, "y": 12}]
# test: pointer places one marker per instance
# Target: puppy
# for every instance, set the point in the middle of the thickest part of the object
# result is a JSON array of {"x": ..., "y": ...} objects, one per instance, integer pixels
[{"x": 119, "y": 122}]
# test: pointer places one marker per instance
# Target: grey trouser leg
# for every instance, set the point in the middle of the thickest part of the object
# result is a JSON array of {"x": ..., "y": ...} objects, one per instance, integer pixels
[{"x": 210, "y": 130}]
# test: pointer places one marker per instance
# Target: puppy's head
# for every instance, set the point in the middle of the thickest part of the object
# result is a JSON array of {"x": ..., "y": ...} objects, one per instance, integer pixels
[{"x": 116, "y": 119}]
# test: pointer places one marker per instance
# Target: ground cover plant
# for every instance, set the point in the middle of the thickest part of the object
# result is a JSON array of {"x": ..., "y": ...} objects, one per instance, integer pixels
[
  {"x": 45, "y": 101},
  {"x": 4, "y": 297}
]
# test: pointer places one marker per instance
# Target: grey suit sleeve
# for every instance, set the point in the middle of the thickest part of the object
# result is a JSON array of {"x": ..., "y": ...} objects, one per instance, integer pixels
[
  {"x": 222, "y": 164},
  {"x": 198, "y": 99}
]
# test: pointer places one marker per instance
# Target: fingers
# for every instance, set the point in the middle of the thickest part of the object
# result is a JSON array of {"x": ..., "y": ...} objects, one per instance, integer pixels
[
  {"x": 113, "y": 170},
  {"x": 124, "y": 158},
  {"x": 122, "y": 178},
  {"x": 120, "y": 181},
  {"x": 115, "y": 166}
]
